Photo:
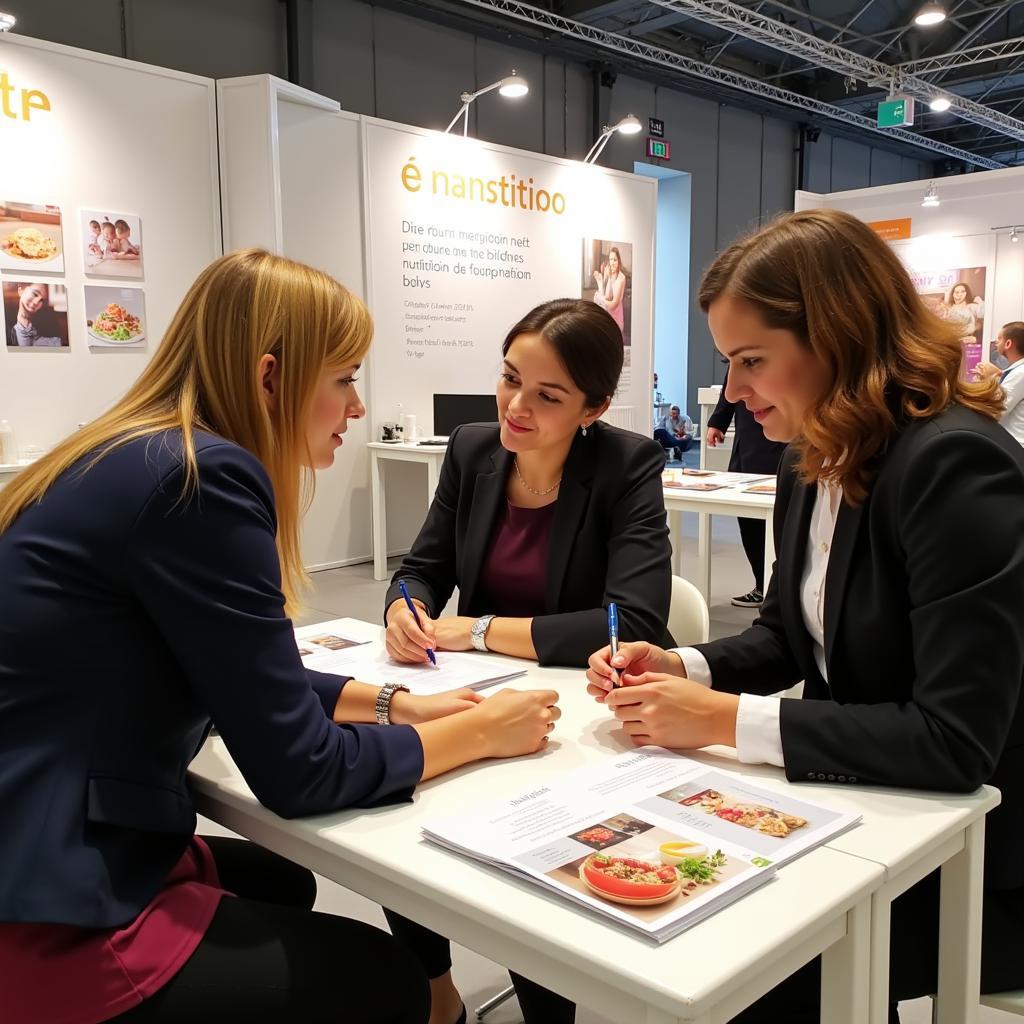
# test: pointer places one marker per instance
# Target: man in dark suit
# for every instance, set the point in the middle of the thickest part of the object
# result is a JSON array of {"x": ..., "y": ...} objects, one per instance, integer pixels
[{"x": 752, "y": 452}]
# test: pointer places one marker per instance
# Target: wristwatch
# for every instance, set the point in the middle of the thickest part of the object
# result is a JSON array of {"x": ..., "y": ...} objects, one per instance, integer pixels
[
  {"x": 478, "y": 632},
  {"x": 382, "y": 709}
]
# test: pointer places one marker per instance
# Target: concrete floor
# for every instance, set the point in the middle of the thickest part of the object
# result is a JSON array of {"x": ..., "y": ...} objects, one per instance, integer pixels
[{"x": 352, "y": 591}]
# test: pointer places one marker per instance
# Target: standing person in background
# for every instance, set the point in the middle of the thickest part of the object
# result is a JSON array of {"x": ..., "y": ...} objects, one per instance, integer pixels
[
  {"x": 674, "y": 432},
  {"x": 752, "y": 452},
  {"x": 1010, "y": 345}
]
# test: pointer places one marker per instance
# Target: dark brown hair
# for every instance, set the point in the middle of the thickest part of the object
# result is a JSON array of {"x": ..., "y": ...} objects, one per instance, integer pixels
[
  {"x": 1014, "y": 331},
  {"x": 587, "y": 340},
  {"x": 832, "y": 281}
]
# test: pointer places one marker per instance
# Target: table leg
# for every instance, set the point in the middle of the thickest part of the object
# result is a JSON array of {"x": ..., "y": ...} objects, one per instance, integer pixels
[
  {"x": 675, "y": 520},
  {"x": 881, "y": 913},
  {"x": 433, "y": 471},
  {"x": 844, "y": 967},
  {"x": 378, "y": 503},
  {"x": 960, "y": 931},
  {"x": 703, "y": 580},
  {"x": 769, "y": 551}
]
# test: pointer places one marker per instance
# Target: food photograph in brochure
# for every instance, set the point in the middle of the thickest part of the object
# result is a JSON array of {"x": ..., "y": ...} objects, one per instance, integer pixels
[
  {"x": 115, "y": 317},
  {"x": 31, "y": 238},
  {"x": 35, "y": 314}
]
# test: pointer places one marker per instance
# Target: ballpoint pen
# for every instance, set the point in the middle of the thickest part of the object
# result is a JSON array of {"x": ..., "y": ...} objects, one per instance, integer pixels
[
  {"x": 613, "y": 638},
  {"x": 408, "y": 600}
]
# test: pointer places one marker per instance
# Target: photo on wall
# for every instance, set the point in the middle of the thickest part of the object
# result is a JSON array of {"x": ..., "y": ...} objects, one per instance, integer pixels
[
  {"x": 31, "y": 238},
  {"x": 115, "y": 317},
  {"x": 111, "y": 243},
  {"x": 608, "y": 281},
  {"x": 957, "y": 295},
  {"x": 35, "y": 314}
]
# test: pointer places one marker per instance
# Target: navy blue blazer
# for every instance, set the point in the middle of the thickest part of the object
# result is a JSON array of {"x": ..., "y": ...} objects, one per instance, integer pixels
[{"x": 129, "y": 620}]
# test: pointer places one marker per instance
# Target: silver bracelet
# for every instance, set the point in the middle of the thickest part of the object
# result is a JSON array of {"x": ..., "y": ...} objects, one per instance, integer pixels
[{"x": 382, "y": 707}]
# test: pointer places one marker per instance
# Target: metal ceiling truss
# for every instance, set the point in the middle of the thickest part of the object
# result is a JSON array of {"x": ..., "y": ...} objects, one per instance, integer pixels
[
  {"x": 965, "y": 58},
  {"x": 674, "y": 61},
  {"x": 731, "y": 17}
]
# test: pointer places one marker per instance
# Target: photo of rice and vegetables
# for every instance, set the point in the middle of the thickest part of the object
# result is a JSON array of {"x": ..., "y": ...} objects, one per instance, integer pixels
[
  {"x": 115, "y": 317},
  {"x": 115, "y": 323}
]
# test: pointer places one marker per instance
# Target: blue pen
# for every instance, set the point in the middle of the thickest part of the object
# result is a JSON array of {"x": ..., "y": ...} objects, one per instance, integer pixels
[
  {"x": 408, "y": 600},
  {"x": 613, "y": 637}
]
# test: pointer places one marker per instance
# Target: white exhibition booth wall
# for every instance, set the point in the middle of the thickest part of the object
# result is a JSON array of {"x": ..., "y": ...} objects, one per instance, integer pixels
[
  {"x": 449, "y": 240},
  {"x": 965, "y": 239},
  {"x": 107, "y": 140}
]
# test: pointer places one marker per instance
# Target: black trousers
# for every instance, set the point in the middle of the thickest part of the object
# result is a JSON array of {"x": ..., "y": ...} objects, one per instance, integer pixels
[
  {"x": 913, "y": 962},
  {"x": 267, "y": 958},
  {"x": 752, "y": 536}
]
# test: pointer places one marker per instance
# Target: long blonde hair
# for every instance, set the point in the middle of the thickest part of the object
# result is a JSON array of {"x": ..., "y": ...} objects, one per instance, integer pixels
[
  {"x": 205, "y": 376},
  {"x": 832, "y": 281}
]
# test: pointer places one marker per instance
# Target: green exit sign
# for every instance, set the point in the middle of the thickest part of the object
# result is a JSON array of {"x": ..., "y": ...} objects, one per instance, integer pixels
[
  {"x": 896, "y": 112},
  {"x": 660, "y": 149}
]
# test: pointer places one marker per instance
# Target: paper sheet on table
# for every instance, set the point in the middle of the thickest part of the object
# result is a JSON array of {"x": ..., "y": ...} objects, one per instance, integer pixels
[{"x": 369, "y": 662}]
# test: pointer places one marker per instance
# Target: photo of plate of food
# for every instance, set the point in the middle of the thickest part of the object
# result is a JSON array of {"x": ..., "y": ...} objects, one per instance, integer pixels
[
  {"x": 115, "y": 317},
  {"x": 31, "y": 237},
  {"x": 769, "y": 821},
  {"x": 599, "y": 836},
  {"x": 630, "y": 880}
]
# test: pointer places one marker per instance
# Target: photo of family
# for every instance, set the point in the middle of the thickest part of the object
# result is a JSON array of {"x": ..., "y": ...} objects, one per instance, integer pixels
[
  {"x": 115, "y": 317},
  {"x": 31, "y": 238},
  {"x": 112, "y": 244},
  {"x": 35, "y": 314},
  {"x": 608, "y": 281},
  {"x": 651, "y": 872}
]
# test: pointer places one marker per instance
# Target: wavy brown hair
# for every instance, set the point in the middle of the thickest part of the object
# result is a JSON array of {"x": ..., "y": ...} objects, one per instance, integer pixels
[{"x": 828, "y": 278}]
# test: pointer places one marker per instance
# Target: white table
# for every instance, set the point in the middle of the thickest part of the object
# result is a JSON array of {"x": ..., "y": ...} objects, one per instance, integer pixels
[
  {"x": 819, "y": 904},
  {"x": 8, "y": 471},
  {"x": 729, "y": 501},
  {"x": 430, "y": 455}
]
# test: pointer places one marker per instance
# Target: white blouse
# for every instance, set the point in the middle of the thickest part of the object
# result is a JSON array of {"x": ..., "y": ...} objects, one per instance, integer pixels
[{"x": 758, "y": 735}]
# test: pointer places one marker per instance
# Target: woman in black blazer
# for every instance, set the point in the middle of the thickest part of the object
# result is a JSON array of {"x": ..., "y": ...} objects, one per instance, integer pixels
[
  {"x": 903, "y": 620},
  {"x": 544, "y": 518},
  {"x": 541, "y": 520}
]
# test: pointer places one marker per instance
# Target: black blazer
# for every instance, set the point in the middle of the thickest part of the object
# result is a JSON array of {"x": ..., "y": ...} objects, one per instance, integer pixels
[
  {"x": 924, "y": 628},
  {"x": 609, "y": 541},
  {"x": 752, "y": 452},
  {"x": 128, "y": 619}
]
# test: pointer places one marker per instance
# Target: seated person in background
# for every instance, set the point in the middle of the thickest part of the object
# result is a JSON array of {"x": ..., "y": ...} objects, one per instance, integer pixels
[
  {"x": 541, "y": 520},
  {"x": 674, "y": 432},
  {"x": 913, "y": 677},
  {"x": 160, "y": 543},
  {"x": 1010, "y": 346}
]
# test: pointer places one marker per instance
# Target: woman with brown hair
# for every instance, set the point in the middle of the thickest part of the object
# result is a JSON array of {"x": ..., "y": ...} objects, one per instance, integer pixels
[{"x": 904, "y": 624}]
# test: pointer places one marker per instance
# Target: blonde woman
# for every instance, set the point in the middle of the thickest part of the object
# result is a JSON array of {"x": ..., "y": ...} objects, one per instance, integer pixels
[{"x": 161, "y": 543}]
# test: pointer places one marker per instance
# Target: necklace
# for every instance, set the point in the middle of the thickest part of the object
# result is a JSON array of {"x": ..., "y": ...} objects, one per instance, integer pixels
[{"x": 540, "y": 494}]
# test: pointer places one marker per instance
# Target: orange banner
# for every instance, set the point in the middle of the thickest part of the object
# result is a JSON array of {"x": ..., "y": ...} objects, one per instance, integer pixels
[{"x": 890, "y": 230}]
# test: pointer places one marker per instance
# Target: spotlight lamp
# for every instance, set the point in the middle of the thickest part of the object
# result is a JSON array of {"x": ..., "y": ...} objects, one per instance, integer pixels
[
  {"x": 1014, "y": 237},
  {"x": 931, "y": 196},
  {"x": 1014, "y": 229},
  {"x": 940, "y": 104},
  {"x": 7, "y": 21},
  {"x": 511, "y": 87},
  {"x": 930, "y": 14},
  {"x": 629, "y": 125}
]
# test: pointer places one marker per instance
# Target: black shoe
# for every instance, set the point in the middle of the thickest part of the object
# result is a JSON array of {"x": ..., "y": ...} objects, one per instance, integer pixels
[{"x": 753, "y": 599}]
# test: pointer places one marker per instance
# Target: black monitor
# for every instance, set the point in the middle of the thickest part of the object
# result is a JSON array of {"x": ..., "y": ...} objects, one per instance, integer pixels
[{"x": 451, "y": 410}]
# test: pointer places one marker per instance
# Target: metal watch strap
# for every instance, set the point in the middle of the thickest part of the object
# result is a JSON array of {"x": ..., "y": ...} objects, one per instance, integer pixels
[
  {"x": 382, "y": 708},
  {"x": 478, "y": 632}
]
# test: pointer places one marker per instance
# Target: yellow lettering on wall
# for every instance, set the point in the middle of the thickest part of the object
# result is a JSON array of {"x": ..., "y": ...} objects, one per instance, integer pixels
[{"x": 27, "y": 99}]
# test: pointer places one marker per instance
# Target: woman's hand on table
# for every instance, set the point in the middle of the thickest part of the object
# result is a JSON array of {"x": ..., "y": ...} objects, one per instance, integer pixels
[
  {"x": 453, "y": 633},
  {"x": 413, "y": 708},
  {"x": 516, "y": 722},
  {"x": 669, "y": 711},
  {"x": 633, "y": 659},
  {"x": 407, "y": 642}
]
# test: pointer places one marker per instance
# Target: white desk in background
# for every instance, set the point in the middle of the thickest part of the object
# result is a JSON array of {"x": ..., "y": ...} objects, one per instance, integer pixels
[
  {"x": 818, "y": 904},
  {"x": 380, "y": 452},
  {"x": 8, "y": 471},
  {"x": 732, "y": 500}
]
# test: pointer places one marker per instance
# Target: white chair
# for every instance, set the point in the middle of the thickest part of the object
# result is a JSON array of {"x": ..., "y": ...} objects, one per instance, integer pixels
[
  {"x": 688, "y": 619},
  {"x": 1008, "y": 1002}
]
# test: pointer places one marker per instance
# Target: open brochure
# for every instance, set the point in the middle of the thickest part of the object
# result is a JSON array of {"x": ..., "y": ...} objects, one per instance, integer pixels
[
  {"x": 650, "y": 839},
  {"x": 329, "y": 647}
]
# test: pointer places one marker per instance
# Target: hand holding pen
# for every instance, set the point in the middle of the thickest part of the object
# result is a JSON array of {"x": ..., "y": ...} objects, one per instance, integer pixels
[{"x": 416, "y": 618}]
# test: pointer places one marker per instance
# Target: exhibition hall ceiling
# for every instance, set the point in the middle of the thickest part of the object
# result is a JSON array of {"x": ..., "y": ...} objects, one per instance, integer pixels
[{"x": 831, "y": 61}]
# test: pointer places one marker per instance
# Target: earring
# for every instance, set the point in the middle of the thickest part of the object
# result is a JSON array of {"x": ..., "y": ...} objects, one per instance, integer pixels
[{"x": 584, "y": 430}]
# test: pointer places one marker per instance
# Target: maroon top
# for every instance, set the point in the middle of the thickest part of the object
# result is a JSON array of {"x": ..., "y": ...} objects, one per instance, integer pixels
[
  {"x": 63, "y": 974},
  {"x": 513, "y": 579}
]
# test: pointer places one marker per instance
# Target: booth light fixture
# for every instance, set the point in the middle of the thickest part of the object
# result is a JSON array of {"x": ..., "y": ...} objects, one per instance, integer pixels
[
  {"x": 629, "y": 125},
  {"x": 1014, "y": 229},
  {"x": 930, "y": 14},
  {"x": 7, "y": 21},
  {"x": 931, "y": 197},
  {"x": 1014, "y": 237},
  {"x": 511, "y": 87},
  {"x": 940, "y": 104}
]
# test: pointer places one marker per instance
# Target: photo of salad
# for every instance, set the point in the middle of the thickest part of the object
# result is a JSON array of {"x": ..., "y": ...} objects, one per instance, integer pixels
[{"x": 115, "y": 317}]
